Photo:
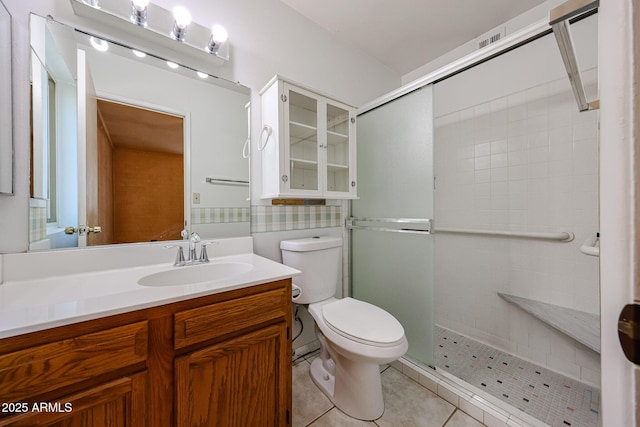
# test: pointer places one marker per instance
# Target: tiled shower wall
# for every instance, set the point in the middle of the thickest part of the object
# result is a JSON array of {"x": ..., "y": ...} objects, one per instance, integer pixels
[{"x": 523, "y": 162}]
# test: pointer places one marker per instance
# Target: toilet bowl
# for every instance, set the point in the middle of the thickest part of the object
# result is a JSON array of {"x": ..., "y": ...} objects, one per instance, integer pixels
[
  {"x": 355, "y": 337},
  {"x": 348, "y": 368}
]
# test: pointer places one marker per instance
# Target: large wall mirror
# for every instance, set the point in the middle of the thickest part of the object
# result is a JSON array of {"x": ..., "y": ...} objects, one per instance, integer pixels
[
  {"x": 6, "y": 125},
  {"x": 124, "y": 141}
]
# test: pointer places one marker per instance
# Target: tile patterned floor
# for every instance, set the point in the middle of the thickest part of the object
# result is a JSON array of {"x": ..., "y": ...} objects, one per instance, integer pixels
[
  {"x": 550, "y": 397},
  {"x": 407, "y": 404}
]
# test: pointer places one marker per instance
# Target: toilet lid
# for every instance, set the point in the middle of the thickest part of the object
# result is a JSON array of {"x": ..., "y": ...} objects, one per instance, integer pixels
[{"x": 362, "y": 322}]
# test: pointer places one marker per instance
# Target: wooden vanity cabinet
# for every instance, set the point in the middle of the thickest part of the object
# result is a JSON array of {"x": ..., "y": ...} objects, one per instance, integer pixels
[{"x": 218, "y": 360}]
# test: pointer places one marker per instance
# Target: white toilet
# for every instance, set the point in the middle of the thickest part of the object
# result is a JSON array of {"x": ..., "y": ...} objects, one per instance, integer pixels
[{"x": 355, "y": 336}]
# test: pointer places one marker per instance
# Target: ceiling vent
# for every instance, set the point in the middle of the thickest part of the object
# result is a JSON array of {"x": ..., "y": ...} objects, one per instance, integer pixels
[{"x": 491, "y": 37}]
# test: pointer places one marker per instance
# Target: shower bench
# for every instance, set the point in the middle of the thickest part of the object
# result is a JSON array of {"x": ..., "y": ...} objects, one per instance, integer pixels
[{"x": 579, "y": 325}]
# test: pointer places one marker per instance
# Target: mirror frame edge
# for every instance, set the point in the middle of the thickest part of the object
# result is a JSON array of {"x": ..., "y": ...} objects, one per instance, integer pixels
[{"x": 6, "y": 120}]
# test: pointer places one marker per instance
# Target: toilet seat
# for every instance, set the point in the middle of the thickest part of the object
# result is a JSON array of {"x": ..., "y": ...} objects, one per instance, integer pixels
[{"x": 363, "y": 322}]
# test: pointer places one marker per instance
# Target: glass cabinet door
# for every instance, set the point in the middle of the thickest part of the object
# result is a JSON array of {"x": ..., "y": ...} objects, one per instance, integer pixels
[
  {"x": 337, "y": 148},
  {"x": 303, "y": 141}
]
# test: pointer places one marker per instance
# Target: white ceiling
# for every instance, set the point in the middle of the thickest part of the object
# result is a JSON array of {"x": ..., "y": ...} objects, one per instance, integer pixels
[{"x": 405, "y": 34}]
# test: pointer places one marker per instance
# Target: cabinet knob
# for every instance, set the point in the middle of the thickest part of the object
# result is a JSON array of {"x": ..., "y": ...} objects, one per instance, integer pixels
[
  {"x": 285, "y": 178},
  {"x": 353, "y": 119},
  {"x": 283, "y": 97},
  {"x": 353, "y": 183}
]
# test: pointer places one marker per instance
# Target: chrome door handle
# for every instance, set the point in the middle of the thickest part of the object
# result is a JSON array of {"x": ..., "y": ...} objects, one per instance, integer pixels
[{"x": 82, "y": 230}]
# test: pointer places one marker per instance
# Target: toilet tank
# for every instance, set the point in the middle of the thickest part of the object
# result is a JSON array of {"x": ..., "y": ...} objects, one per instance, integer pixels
[{"x": 318, "y": 258}]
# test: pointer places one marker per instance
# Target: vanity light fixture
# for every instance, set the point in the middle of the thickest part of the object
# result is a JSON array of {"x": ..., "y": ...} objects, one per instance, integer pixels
[
  {"x": 99, "y": 44},
  {"x": 218, "y": 36},
  {"x": 139, "y": 12},
  {"x": 182, "y": 20},
  {"x": 203, "y": 45}
]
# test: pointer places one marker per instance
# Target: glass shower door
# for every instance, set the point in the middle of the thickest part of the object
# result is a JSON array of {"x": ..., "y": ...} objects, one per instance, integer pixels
[{"x": 395, "y": 270}]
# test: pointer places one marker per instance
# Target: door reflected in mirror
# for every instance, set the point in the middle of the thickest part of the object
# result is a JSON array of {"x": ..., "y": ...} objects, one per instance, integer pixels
[
  {"x": 123, "y": 144},
  {"x": 140, "y": 194}
]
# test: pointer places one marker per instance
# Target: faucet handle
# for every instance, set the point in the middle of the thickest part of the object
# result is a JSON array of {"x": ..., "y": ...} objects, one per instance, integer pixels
[
  {"x": 184, "y": 234},
  {"x": 195, "y": 237},
  {"x": 179, "y": 256},
  {"x": 203, "y": 252}
]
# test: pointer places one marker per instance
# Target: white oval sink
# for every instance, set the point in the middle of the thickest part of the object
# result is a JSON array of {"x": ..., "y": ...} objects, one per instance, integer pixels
[{"x": 195, "y": 274}]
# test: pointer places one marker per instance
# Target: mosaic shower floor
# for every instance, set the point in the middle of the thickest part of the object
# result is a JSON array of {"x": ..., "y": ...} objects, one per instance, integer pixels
[{"x": 550, "y": 397}]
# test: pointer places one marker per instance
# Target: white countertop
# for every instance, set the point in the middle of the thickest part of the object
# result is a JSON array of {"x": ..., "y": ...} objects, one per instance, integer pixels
[{"x": 42, "y": 303}]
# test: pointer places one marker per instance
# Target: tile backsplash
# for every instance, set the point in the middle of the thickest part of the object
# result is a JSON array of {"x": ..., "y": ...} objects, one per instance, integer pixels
[
  {"x": 37, "y": 223},
  {"x": 220, "y": 215},
  {"x": 287, "y": 218}
]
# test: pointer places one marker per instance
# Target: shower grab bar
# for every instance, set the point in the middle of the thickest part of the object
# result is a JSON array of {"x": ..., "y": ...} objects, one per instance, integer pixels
[
  {"x": 560, "y": 236},
  {"x": 559, "y": 21},
  {"x": 425, "y": 221},
  {"x": 591, "y": 246}
]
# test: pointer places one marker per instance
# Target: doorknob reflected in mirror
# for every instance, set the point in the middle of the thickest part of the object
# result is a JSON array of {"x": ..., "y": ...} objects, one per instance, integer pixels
[{"x": 82, "y": 230}]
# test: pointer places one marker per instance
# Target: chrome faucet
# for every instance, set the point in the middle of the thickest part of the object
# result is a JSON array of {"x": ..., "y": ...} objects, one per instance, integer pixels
[
  {"x": 192, "y": 259},
  {"x": 193, "y": 240}
]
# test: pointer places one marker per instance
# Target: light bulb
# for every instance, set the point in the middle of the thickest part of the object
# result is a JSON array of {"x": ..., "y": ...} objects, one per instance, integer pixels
[
  {"x": 138, "y": 53},
  {"x": 182, "y": 16},
  {"x": 140, "y": 5},
  {"x": 139, "y": 12},
  {"x": 219, "y": 33},
  {"x": 218, "y": 36},
  {"x": 99, "y": 44},
  {"x": 172, "y": 65},
  {"x": 92, "y": 3},
  {"x": 182, "y": 20},
  {"x": 202, "y": 75}
]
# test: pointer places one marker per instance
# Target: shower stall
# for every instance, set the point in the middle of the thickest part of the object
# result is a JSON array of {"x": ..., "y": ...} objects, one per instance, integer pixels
[{"x": 477, "y": 193}]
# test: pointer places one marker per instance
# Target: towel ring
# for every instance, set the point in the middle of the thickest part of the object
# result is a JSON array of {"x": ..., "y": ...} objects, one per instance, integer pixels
[
  {"x": 265, "y": 129},
  {"x": 246, "y": 148}
]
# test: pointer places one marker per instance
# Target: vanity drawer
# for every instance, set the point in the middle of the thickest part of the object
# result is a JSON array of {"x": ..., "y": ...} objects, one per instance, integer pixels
[
  {"x": 41, "y": 369},
  {"x": 214, "y": 320}
]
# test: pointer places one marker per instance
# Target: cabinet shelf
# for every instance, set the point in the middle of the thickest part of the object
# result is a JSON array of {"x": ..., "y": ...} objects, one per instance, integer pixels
[
  {"x": 334, "y": 167},
  {"x": 335, "y": 138},
  {"x": 304, "y": 164},
  {"x": 303, "y": 132}
]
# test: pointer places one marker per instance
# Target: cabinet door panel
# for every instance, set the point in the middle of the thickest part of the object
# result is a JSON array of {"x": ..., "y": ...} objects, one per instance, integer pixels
[
  {"x": 340, "y": 150},
  {"x": 241, "y": 382},
  {"x": 119, "y": 403},
  {"x": 303, "y": 156}
]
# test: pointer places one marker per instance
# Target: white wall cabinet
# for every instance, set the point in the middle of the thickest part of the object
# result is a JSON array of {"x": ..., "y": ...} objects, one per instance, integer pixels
[{"x": 307, "y": 142}]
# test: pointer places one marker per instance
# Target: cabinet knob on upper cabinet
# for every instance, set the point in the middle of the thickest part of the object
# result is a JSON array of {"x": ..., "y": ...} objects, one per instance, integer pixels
[
  {"x": 283, "y": 97},
  {"x": 353, "y": 119},
  {"x": 285, "y": 178},
  {"x": 353, "y": 183}
]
